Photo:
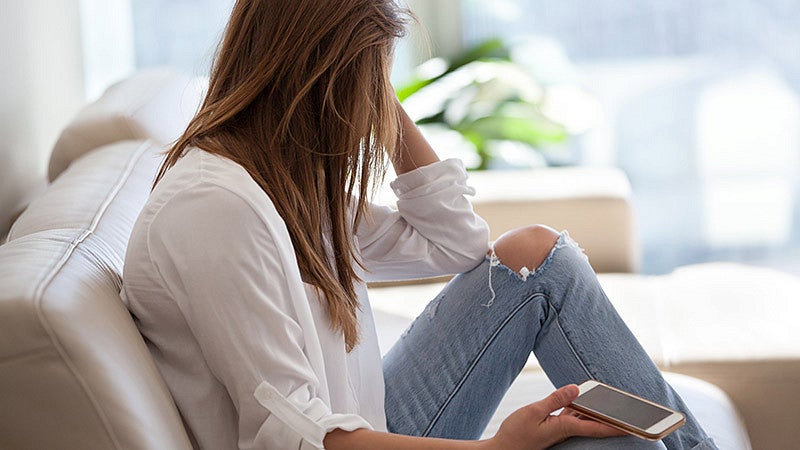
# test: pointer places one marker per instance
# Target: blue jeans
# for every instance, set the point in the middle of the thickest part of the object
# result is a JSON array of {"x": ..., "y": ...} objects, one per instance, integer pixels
[{"x": 450, "y": 369}]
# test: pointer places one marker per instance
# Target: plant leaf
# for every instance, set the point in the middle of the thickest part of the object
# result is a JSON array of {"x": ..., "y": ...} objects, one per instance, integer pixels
[
  {"x": 531, "y": 132},
  {"x": 490, "y": 49},
  {"x": 493, "y": 48}
]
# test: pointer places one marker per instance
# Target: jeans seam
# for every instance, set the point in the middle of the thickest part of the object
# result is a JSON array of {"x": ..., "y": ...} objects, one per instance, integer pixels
[
  {"x": 474, "y": 363},
  {"x": 569, "y": 343}
]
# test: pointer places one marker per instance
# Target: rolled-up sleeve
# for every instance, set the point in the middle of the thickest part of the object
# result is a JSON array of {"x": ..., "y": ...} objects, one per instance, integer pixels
[
  {"x": 433, "y": 232},
  {"x": 219, "y": 261}
]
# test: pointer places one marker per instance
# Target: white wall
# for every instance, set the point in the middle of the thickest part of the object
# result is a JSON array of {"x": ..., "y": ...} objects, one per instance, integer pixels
[
  {"x": 441, "y": 20},
  {"x": 41, "y": 87}
]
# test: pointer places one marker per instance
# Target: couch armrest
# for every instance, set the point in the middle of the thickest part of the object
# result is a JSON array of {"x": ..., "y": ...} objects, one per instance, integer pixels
[{"x": 594, "y": 204}]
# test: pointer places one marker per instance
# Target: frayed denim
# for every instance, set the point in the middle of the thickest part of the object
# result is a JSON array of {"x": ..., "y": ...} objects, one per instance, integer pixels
[{"x": 453, "y": 365}]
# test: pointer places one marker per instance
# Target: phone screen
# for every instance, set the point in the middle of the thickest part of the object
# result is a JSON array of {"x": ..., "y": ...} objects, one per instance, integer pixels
[{"x": 621, "y": 407}]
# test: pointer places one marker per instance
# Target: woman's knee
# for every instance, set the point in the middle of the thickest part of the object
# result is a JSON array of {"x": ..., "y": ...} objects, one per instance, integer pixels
[{"x": 525, "y": 247}]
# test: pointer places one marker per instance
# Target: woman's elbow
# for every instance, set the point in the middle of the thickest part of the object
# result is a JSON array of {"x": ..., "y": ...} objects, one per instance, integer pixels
[{"x": 472, "y": 250}]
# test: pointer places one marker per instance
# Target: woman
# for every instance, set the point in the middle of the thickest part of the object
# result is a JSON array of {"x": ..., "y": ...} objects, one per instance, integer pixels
[{"x": 246, "y": 268}]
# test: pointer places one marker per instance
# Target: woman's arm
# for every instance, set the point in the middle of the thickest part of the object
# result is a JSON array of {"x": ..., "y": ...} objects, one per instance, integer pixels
[
  {"x": 413, "y": 151},
  {"x": 368, "y": 439},
  {"x": 529, "y": 428},
  {"x": 434, "y": 230}
]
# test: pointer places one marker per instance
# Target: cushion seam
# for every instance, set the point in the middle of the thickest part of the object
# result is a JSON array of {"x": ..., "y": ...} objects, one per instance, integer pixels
[
  {"x": 11, "y": 359},
  {"x": 40, "y": 289}
]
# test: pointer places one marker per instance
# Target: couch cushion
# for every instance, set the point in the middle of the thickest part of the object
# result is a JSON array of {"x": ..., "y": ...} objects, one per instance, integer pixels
[
  {"x": 593, "y": 202},
  {"x": 729, "y": 324},
  {"x": 709, "y": 404},
  {"x": 105, "y": 184},
  {"x": 68, "y": 344},
  {"x": 154, "y": 104}
]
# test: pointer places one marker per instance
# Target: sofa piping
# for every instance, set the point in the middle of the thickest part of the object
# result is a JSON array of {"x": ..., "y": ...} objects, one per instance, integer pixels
[{"x": 40, "y": 289}]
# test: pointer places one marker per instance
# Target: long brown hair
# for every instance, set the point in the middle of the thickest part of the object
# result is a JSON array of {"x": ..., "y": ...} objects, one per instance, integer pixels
[{"x": 299, "y": 95}]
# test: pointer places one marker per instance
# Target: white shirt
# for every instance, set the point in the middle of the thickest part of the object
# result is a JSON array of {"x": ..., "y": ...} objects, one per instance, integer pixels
[{"x": 245, "y": 346}]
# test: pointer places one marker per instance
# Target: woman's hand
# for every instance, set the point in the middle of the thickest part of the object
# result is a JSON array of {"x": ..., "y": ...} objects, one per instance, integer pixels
[{"x": 533, "y": 427}]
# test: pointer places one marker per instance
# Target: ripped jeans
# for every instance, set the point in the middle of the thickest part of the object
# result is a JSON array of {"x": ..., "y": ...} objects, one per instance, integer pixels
[{"x": 450, "y": 369}]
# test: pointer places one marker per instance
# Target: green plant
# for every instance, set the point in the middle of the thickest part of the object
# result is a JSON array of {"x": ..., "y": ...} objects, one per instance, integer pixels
[{"x": 485, "y": 97}]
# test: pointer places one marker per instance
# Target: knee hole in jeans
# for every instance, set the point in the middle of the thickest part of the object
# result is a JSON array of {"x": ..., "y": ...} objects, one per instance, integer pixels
[
  {"x": 521, "y": 250},
  {"x": 524, "y": 249}
]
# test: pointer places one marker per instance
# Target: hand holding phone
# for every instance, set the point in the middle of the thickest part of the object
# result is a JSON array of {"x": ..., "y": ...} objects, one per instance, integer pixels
[
  {"x": 536, "y": 427},
  {"x": 626, "y": 412}
]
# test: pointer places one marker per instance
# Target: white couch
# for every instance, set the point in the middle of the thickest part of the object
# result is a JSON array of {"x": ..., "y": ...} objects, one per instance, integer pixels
[{"x": 75, "y": 373}]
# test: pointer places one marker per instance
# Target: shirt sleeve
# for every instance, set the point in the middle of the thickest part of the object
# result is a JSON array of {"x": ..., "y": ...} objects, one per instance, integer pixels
[
  {"x": 220, "y": 263},
  {"x": 433, "y": 232}
]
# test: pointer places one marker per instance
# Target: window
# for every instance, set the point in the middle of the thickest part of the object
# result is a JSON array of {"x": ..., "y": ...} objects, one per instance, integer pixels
[
  {"x": 700, "y": 100},
  {"x": 121, "y": 36},
  {"x": 701, "y": 108},
  {"x": 178, "y": 33}
]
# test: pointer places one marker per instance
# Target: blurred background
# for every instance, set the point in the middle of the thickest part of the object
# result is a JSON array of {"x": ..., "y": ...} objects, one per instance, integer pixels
[{"x": 698, "y": 102}]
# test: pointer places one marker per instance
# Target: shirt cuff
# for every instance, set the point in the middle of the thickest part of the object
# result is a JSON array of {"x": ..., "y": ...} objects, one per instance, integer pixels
[
  {"x": 431, "y": 178},
  {"x": 304, "y": 428}
]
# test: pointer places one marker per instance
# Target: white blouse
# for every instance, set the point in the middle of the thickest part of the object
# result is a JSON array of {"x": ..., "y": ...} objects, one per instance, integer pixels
[{"x": 244, "y": 345}]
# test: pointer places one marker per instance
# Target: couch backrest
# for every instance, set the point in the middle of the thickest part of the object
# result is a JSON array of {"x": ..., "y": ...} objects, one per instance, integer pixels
[
  {"x": 74, "y": 371},
  {"x": 155, "y": 104}
]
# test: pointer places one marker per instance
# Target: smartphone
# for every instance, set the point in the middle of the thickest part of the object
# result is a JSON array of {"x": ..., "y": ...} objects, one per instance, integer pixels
[{"x": 626, "y": 412}]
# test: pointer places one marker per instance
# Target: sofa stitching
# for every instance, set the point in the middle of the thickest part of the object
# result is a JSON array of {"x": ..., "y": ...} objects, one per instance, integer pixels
[
  {"x": 30, "y": 353},
  {"x": 42, "y": 286}
]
